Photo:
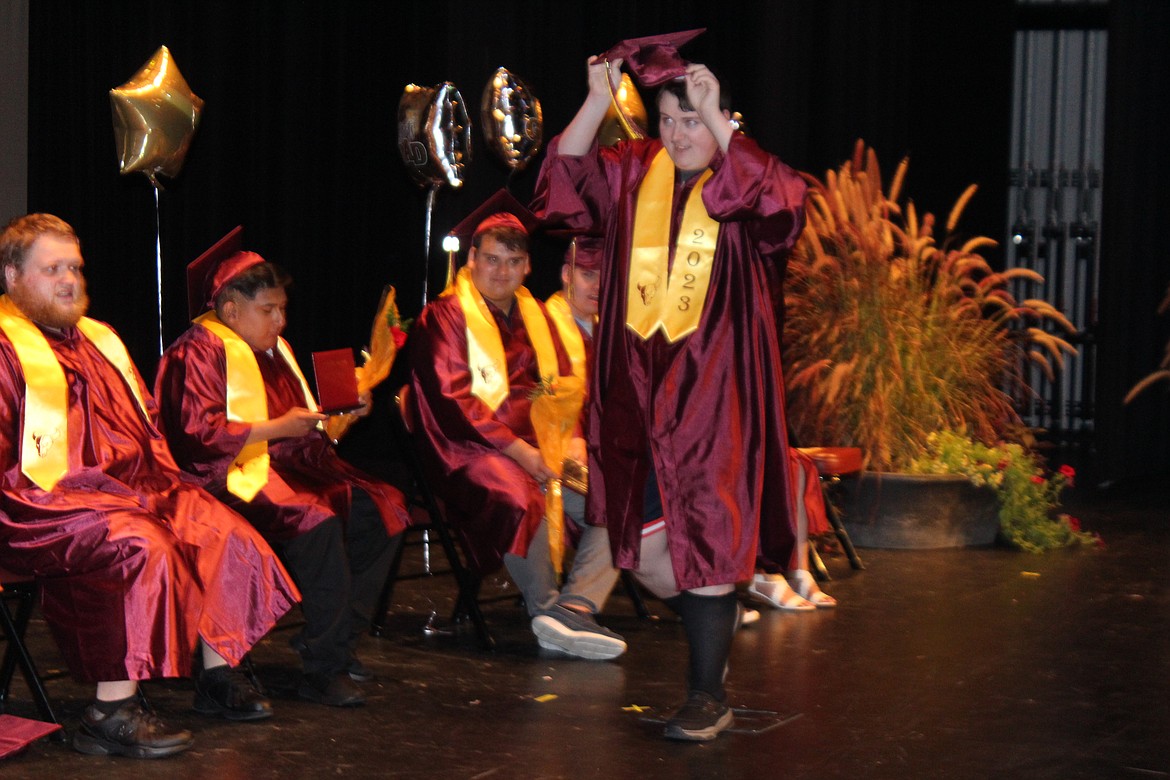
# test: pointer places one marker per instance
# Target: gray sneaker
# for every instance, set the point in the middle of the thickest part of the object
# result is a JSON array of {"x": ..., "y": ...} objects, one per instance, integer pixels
[{"x": 576, "y": 633}]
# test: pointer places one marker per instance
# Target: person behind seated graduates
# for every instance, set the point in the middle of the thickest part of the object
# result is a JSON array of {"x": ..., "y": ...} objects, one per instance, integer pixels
[
  {"x": 242, "y": 422},
  {"x": 576, "y": 302},
  {"x": 478, "y": 354},
  {"x": 136, "y": 566},
  {"x": 687, "y": 441}
]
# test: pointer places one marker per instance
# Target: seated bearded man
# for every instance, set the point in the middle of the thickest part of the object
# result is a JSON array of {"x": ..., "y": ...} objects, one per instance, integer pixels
[{"x": 136, "y": 566}]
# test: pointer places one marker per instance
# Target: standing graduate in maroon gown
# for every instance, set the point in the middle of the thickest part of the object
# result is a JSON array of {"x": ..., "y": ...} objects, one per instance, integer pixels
[
  {"x": 686, "y": 418},
  {"x": 335, "y": 527},
  {"x": 136, "y": 566}
]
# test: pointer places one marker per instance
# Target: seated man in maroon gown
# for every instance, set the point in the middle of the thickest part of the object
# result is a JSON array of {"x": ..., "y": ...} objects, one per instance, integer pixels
[
  {"x": 136, "y": 566},
  {"x": 479, "y": 354},
  {"x": 241, "y": 420},
  {"x": 687, "y": 441}
]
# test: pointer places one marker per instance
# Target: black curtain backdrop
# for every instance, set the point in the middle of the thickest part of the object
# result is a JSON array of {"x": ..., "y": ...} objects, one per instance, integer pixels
[
  {"x": 1134, "y": 441},
  {"x": 298, "y": 136},
  {"x": 298, "y": 140}
]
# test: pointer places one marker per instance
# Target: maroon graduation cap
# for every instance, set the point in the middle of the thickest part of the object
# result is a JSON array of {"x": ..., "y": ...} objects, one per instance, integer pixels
[
  {"x": 209, "y": 273},
  {"x": 655, "y": 59},
  {"x": 500, "y": 209},
  {"x": 585, "y": 252}
]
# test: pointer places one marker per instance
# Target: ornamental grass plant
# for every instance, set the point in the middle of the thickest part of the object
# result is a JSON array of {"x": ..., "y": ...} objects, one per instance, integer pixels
[{"x": 892, "y": 333}]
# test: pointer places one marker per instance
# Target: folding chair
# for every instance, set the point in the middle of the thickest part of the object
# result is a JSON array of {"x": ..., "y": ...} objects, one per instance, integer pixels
[
  {"x": 23, "y": 591},
  {"x": 421, "y": 496},
  {"x": 834, "y": 463}
]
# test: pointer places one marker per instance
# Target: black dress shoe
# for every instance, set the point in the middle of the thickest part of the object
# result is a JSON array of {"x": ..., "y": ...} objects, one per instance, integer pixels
[
  {"x": 130, "y": 731},
  {"x": 230, "y": 694},
  {"x": 335, "y": 690}
]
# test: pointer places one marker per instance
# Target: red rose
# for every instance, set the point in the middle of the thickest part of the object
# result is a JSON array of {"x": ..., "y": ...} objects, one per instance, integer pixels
[
  {"x": 399, "y": 336},
  {"x": 1037, "y": 479},
  {"x": 1069, "y": 474},
  {"x": 1073, "y": 523}
]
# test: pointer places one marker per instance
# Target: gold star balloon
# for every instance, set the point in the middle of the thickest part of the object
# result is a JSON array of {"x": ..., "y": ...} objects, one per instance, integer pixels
[
  {"x": 155, "y": 118},
  {"x": 626, "y": 118}
]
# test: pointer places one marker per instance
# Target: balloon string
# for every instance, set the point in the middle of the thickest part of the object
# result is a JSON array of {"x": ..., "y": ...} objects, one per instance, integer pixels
[
  {"x": 158, "y": 266},
  {"x": 427, "y": 239}
]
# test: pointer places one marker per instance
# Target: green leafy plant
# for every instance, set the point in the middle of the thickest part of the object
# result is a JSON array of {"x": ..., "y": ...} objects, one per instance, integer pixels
[
  {"x": 1029, "y": 496},
  {"x": 892, "y": 333}
]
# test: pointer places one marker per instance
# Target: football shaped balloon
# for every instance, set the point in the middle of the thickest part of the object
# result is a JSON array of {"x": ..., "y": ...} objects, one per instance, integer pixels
[
  {"x": 434, "y": 134},
  {"x": 155, "y": 118},
  {"x": 512, "y": 123}
]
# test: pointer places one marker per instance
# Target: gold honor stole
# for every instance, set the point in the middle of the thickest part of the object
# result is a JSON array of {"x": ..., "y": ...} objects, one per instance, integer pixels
[
  {"x": 485, "y": 349},
  {"x": 44, "y": 444},
  {"x": 247, "y": 402},
  {"x": 570, "y": 332},
  {"x": 677, "y": 305}
]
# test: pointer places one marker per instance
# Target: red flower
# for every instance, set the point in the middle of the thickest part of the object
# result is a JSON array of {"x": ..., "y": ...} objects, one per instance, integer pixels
[
  {"x": 1073, "y": 523},
  {"x": 1069, "y": 474},
  {"x": 1038, "y": 480},
  {"x": 1003, "y": 464},
  {"x": 399, "y": 336}
]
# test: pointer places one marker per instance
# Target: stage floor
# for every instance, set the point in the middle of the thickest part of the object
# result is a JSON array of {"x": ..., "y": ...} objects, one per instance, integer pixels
[{"x": 977, "y": 663}]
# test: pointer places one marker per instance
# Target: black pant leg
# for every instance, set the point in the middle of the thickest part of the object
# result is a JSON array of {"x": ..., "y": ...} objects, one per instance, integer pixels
[
  {"x": 318, "y": 564},
  {"x": 371, "y": 551}
]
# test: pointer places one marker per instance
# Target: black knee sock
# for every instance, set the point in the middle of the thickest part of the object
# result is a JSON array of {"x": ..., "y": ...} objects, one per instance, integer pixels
[{"x": 710, "y": 624}]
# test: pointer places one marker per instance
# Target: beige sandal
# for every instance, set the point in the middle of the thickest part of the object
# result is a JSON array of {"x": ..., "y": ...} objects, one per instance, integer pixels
[
  {"x": 806, "y": 587},
  {"x": 774, "y": 590}
]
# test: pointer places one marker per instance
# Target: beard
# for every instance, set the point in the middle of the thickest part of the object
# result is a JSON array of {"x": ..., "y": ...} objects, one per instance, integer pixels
[{"x": 48, "y": 311}]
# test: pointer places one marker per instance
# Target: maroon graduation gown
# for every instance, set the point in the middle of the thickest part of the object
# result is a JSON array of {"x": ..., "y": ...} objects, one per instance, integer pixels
[
  {"x": 493, "y": 503},
  {"x": 708, "y": 410},
  {"x": 135, "y": 565},
  {"x": 308, "y": 482}
]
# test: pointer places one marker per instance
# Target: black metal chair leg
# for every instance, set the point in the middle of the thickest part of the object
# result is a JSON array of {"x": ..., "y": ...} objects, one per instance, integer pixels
[
  {"x": 843, "y": 538},
  {"x": 378, "y": 620},
  {"x": 635, "y": 594},
  {"x": 17, "y": 654},
  {"x": 819, "y": 570}
]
